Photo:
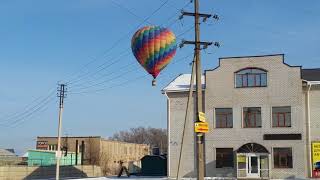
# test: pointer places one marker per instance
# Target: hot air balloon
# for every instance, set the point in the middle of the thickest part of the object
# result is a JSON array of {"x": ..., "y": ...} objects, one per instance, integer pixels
[{"x": 153, "y": 47}]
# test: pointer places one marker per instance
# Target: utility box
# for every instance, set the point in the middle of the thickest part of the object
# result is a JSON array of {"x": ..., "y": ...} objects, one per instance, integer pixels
[{"x": 154, "y": 165}]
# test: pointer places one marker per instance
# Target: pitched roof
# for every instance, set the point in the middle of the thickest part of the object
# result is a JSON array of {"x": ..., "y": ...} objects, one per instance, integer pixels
[
  {"x": 311, "y": 74},
  {"x": 181, "y": 83},
  {"x": 6, "y": 153}
]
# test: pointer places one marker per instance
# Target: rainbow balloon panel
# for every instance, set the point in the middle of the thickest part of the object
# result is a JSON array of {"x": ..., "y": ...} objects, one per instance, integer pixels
[{"x": 153, "y": 47}]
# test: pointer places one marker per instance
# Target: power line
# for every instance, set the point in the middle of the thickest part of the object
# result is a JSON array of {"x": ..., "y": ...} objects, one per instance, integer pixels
[
  {"x": 26, "y": 115},
  {"x": 17, "y": 117},
  {"x": 27, "y": 110},
  {"x": 104, "y": 75},
  {"x": 131, "y": 12},
  {"x": 105, "y": 81},
  {"x": 126, "y": 82},
  {"x": 108, "y": 80},
  {"x": 128, "y": 10},
  {"x": 123, "y": 37},
  {"x": 38, "y": 111},
  {"x": 101, "y": 67}
]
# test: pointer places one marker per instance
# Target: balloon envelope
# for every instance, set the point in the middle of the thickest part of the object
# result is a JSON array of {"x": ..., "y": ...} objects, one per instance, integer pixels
[{"x": 153, "y": 47}]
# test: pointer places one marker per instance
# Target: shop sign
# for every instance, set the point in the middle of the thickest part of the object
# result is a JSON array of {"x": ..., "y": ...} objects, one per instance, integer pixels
[
  {"x": 42, "y": 145},
  {"x": 315, "y": 159},
  {"x": 201, "y": 127},
  {"x": 241, "y": 159}
]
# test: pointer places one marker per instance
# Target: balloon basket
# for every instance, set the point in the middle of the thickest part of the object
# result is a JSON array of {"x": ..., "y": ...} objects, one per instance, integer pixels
[{"x": 154, "y": 82}]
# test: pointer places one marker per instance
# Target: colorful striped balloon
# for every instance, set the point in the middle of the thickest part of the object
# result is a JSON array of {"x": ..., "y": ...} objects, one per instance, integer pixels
[{"x": 153, "y": 47}]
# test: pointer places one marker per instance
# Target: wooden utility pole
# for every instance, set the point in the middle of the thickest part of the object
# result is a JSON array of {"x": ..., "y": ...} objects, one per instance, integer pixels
[
  {"x": 61, "y": 95},
  {"x": 199, "y": 45}
]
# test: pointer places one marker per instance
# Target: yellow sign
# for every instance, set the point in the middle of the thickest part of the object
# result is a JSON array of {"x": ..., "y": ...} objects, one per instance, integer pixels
[
  {"x": 316, "y": 159},
  {"x": 242, "y": 159},
  {"x": 201, "y": 127},
  {"x": 202, "y": 117}
]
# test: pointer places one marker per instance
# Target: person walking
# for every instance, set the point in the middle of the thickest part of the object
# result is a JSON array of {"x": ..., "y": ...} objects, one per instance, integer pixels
[{"x": 123, "y": 168}]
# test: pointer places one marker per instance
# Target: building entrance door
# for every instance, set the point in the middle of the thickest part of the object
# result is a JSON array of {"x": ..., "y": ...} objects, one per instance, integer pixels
[{"x": 253, "y": 166}]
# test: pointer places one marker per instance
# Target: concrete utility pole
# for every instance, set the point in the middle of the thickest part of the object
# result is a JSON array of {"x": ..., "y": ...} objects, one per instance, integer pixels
[
  {"x": 200, "y": 162},
  {"x": 61, "y": 95}
]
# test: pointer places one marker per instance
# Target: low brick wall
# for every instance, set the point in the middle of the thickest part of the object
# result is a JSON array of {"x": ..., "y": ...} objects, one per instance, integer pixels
[{"x": 45, "y": 172}]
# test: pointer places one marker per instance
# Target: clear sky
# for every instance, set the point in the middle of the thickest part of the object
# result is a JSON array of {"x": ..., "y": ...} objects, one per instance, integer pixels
[{"x": 43, "y": 42}]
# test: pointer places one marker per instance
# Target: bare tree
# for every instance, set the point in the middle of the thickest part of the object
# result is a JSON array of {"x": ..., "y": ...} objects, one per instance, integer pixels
[
  {"x": 92, "y": 155},
  {"x": 155, "y": 137},
  {"x": 105, "y": 164}
]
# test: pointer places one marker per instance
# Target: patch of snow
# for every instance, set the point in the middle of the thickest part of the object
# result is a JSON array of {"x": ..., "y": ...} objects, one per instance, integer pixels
[{"x": 182, "y": 83}]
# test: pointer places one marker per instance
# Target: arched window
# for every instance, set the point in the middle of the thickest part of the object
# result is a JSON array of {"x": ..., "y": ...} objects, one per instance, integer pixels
[{"x": 251, "y": 77}]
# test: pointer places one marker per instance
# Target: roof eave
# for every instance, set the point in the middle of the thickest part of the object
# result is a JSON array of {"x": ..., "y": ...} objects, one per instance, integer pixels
[{"x": 311, "y": 82}]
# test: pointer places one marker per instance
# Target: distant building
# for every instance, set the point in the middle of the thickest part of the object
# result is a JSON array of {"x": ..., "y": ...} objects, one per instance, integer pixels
[
  {"x": 48, "y": 158},
  {"x": 8, "y": 157},
  {"x": 97, "y": 150},
  {"x": 263, "y": 115}
]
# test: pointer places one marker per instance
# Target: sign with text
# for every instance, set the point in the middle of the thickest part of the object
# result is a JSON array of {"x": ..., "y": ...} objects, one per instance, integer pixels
[
  {"x": 202, "y": 116},
  {"x": 42, "y": 145},
  {"x": 315, "y": 159},
  {"x": 242, "y": 159},
  {"x": 201, "y": 127}
]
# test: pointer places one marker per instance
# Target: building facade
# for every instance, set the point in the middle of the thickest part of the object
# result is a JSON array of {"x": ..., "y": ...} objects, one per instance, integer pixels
[
  {"x": 8, "y": 157},
  {"x": 97, "y": 150},
  {"x": 263, "y": 115},
  {"x": 48, "y": 158}
]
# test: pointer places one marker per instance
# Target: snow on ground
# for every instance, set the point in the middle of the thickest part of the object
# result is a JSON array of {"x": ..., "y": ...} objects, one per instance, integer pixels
[{"x": 124, "y": 177}]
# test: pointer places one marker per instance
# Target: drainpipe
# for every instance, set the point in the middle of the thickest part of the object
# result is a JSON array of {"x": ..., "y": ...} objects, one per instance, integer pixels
[
  {"x": 309, "y": 162},
  {"x": 168, "y": 132}
]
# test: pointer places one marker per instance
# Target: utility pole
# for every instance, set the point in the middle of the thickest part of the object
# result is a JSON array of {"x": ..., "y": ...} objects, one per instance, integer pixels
[
  {"x": 199, "y": 45},
  {"x": 61, "y": 94}
]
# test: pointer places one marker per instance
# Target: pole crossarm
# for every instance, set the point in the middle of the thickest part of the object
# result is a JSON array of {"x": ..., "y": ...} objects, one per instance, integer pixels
[
  {"x": 204, "y": 44},
  {"x": 194, "y": 14},
  {"x": 199, "y": 15}
]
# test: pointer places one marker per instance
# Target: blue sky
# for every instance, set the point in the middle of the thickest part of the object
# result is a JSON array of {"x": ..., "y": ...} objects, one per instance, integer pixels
[{"x": 43, "y": 42}]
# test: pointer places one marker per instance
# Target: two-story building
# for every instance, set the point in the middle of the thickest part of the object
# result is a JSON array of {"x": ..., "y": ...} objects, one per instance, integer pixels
[{"x": 263, "y": 115}]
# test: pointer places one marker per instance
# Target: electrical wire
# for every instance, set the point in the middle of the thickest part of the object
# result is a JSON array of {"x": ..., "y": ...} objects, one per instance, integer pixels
[
  {"x": 26, "y": 110},
  {"x": 28, "y": 116},
  {"x": 5, "y": 117},
  {"x": 17, "y": 118},
  {"x": 104, "y": 75},
  {"x": 108, "y": 80},
  {"x": 126, "y": 82},
  {"x": 128, "y": 10},
  {"x": 28, "y": 113},
  {"x": 123, "y": 37},
  {"x": 118, "y": 61},
  {"x": 131, "y": 12},
  {"x": 102, "y": 67}
]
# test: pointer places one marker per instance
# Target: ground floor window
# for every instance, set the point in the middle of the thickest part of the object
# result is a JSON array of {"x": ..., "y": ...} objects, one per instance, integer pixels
[
  {"x": 224, "y": 157},
  {"x": 282, "y": 157}
]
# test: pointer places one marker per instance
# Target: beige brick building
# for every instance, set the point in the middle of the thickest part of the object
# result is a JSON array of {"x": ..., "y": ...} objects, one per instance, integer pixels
[
  {"x": 263, "y": 116},
  {"x": 98, "y": 151}
]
